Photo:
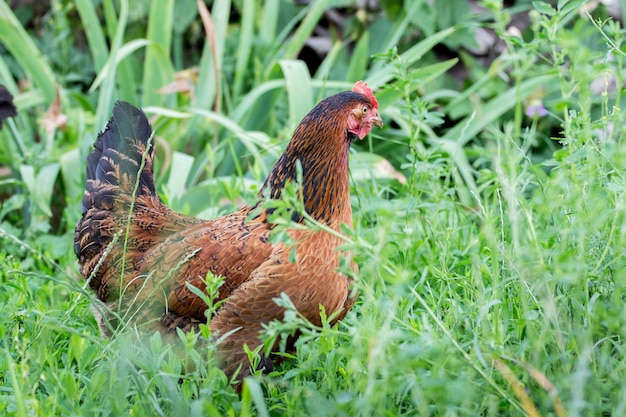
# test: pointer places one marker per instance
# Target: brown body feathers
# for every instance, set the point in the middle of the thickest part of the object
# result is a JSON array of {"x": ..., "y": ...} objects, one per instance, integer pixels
[{"x": 139, "y": 256}]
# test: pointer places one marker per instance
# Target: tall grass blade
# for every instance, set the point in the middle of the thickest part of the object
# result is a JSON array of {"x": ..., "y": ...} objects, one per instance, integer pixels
[
  {"x": 179, "y": 172},
  {"x": 268, "y": 25},
  {"x": 329, "y": 61},
  {"x": 23, "y": 49},
  {"x": 382, "y": 75},
  {"x": 18, "y": 395},
  {"x": 398, "y": 30},
  {"x": 313, "y": 15},
  {"x": 93, "y": 31},
  {"x": 245, "y": 45},
  {"x": 421, "y": 76},
  {"x": 360, "y": 59},
  {"x": 40, "y": 185},
  {"x": 253, "y": 141},
  {"x": 299, "y": 89},
  {"x": 127, "y": 86},
  {"x": 109, "y": 69},
  {"x": 105, "y": 96},
  {"x": 158, "y": 68},
  {"x": 71, "y": 164},
  {"x": 221, "y": 14}
]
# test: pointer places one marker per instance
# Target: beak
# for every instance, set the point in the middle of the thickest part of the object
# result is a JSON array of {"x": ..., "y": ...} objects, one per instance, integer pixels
[{"x": 377, "y": 120}]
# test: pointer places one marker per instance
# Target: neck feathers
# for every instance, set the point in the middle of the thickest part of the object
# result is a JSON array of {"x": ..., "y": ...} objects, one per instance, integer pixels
[{"x": 321, "y": 143}]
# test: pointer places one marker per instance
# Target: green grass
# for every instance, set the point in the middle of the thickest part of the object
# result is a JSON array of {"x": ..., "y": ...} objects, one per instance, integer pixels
[{"x": 492, "y": 281}]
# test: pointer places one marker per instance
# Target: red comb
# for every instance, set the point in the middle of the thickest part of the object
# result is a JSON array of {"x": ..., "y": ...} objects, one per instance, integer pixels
[{"x": 362, "y": 88}]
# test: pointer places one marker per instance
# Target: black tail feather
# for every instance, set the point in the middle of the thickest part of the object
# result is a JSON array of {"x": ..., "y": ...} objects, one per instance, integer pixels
[
  {"x": 127, "y": 122},
  {"x": 121, "y": 152},
  {"x": 7, "y": 108},
  {"x": 119, "y": 175}
]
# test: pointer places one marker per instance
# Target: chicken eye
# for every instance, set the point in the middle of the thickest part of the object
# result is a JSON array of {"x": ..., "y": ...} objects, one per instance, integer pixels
[{"x": 365, "y": 109}]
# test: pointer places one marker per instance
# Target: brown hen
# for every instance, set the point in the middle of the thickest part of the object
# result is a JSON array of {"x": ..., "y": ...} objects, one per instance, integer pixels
[{"x": 139, "y": 256}]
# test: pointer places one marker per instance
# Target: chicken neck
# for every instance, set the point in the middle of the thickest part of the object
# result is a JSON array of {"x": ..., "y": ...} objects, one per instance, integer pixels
[{"x": 325, "y": 186}]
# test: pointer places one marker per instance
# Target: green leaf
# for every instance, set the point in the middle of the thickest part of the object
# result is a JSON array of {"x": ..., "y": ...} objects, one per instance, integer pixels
[
  {"x": 566, "y": 6},
  {"x": 20, "y": 401},
  {"x": 561, "y": 3},
  {"x": 544, "y": 8},
  {"x": 430, "y": 72},
  {"x": 423, "y": 76},
  {"x": 298, "y": 81},
  {"x": 40, "y": 187},
  {"x": 252, "y": 390},
  {"x": 179, "y": 172},
  {"x": 76, "y": 348},
  {"x": 71, "y": 165}
]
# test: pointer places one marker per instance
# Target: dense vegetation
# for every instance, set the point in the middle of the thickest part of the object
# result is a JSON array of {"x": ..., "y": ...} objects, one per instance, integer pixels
[{"x": 489, "y": 213}]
